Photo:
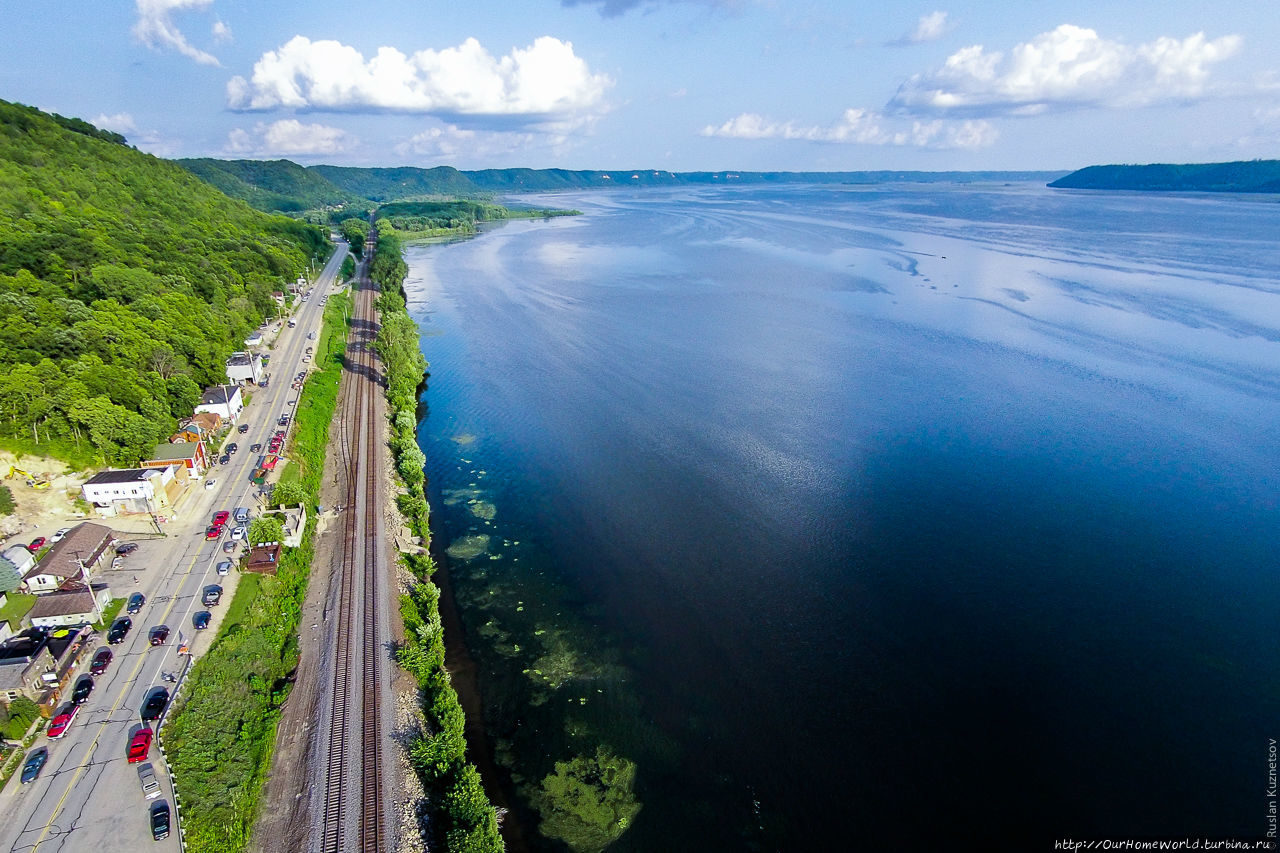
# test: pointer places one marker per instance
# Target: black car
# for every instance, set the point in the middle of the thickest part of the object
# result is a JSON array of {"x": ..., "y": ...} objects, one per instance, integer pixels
[
  {"x": 135, "y": 603},
  {"x": 35, "y": 763},
  {"x": 212, "y": 595},
  {"x": 255, "y": 448},
  {"x": 160, "y": 820},
  {"x": 201, "y": 620},
  {"x": 232, "y": 447},
  {"x": 154, "y": 706},
  {"x": 284, "y": 420},
  {"x": 119, "y": 630},
  {"x": 80, "y": 694},
  {"x": 224, "y": 459},
  {"x": 159, "y": 634},
  {"x": 126, "y": 548},
  {"x": 242, "y": 429}
]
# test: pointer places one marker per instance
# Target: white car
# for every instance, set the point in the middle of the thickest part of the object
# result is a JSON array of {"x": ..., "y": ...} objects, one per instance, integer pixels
[
  {"x": 60, "y": 535},
  {"x": 224, "y": 567},
  {"x": 238, "y": 533},
  {"x": 208, "y": 484}
]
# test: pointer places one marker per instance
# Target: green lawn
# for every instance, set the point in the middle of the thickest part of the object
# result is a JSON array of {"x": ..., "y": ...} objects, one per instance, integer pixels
[
  {"x": 109, "y": 614},
  {"x": 15, "y": 608},
  {"x": 246, "y": 591}
]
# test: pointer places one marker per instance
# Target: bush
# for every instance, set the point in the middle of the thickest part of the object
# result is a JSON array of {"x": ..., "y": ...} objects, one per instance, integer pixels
[{"x": 7, "y": 505}]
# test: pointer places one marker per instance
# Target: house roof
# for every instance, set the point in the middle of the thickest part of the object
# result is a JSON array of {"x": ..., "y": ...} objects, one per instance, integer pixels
[
  {"x": 84, "y": 544},
  {"x": 124, "y": 475},
  {"x": 62, "y": 603},
  {"x": 263, "y": 557},
  {"x": 174, "y": 452},
  {"x": 240, "y": 359},
  {"x": 218, "y": 395}
]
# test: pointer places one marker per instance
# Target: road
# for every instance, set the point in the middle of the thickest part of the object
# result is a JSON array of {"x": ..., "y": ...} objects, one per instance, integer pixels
[{"x": 88, "y": 797}]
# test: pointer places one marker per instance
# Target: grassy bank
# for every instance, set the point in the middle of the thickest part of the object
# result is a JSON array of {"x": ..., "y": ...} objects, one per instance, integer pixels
[
  {"x": 459, "y": 814},
  {"x": 219, "y": 737}
]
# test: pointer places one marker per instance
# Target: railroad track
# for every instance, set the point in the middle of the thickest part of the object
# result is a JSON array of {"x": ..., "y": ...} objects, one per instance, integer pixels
[{"x": 358, "y": 664}]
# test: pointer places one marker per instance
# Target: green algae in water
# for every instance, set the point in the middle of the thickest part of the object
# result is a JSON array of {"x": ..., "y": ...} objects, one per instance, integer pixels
[
  {"x": 464, "y": 438},
  {"x": 483, "y": 509},
  {"x": 469, "y": 547}
]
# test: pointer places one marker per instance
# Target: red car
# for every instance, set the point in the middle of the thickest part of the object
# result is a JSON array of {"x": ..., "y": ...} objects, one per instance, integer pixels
[
  {"x": 140, "y": 746},
  {"x": 213, "y": 531},
  {"x": 100, "y": 662},
  {"x": 220, "y": 518},
  {"x": 36, "y": 544},
  {"x": 60, "y": 722}
]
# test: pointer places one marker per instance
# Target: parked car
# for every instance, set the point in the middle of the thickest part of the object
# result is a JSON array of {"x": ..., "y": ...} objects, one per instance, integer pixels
[
  {"x": 62, "y": 720},
  {"x": 238, "y": 533},
  {"x": 224, "y": 459},
  {"x": 159, "y": 634},
  {"x": 36, "y": 544},
  {"x": 242, "y": 429},
  {"x": 209, "y": 484},
  {"x": 201, "y": 620},
  {"x": 232, "y": 447},
  {"x": 154, "y": 706},
  {"x": 60, "y": 534},
  {"x": 135, "y": 603},
  {"x": 150, "y": 784},
  {"x": 223, "y": 567},
  {"x": 283, "y": 421},
  {"x": 119, "y": 630},
  {"x": 126, "y": 548},
  {"x": 230, "y": 546},
  {"x": 84, "y": 686},
  {"x": 100, "y": 661},
  {"x": 255, "y": 448},
  {"x": 212, "y": 595},
  {"x": 139, "y": 746},
  {"x": 35, "y": 763}
]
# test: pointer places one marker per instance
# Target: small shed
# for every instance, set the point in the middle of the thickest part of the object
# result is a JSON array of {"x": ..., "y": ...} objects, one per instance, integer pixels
[{"x": 264, "y": 559}]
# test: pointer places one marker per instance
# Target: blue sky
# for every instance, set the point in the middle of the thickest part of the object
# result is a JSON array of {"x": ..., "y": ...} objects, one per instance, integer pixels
[{"x": 667, "y": 84}]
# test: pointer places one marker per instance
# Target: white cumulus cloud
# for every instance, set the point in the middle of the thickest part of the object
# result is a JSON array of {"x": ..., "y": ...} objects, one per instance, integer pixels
[
  {"x": 289, "y": 137},
  {"x": 1067, "y": 67},
  {"x": 118, "y": 122},
  {"x": 863, "y": 127},
  {"x": 155, "y": 27},
  {"x": 542, "y": 82},
  {"x": 221, "y": 32},
  {"x": 930, "y": 27}
]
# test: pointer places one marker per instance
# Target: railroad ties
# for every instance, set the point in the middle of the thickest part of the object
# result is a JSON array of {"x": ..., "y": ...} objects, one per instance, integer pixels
[{"x": 355, "y": 756}]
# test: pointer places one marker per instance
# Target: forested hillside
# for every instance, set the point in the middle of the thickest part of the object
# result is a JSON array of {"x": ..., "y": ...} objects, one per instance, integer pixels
[
  {"x": 1245, "y": 176},
  {"x": 124, "y": 283},
  {"x": 275, "y": 185}
]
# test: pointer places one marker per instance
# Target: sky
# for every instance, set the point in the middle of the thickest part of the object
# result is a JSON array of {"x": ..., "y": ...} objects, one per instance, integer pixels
[{"x": 680, "y": 85}]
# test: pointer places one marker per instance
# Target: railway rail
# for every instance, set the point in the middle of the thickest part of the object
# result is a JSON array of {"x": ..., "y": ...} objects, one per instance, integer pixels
[{"x": 353, "y": 808}]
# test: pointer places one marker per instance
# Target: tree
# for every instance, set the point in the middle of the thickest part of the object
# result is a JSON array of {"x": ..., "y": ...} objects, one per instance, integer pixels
[
  {"x": 588, "y": 802},
  {"x": 268, "y": 528},
  {"x": 288, "y": 494}
]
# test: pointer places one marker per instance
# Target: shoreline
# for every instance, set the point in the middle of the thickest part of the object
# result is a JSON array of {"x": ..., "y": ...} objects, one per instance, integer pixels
[{"x": 464, "y": 675}]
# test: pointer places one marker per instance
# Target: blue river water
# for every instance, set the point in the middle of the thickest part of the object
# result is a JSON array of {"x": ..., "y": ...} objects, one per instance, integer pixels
[{"x": 869, "y": 517}]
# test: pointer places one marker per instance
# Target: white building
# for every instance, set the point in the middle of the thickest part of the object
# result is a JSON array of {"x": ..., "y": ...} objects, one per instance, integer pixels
[
  {"x": 223, "y": 400},
  {"x": 128, "y": 490},
  {"x": 244, "y": 367},
  {"x": 75, "y": 606},
  {"x": 15, "y": 562}
]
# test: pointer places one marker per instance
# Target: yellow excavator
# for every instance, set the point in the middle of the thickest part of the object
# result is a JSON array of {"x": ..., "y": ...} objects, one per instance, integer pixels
[{"x": 15, "y": 471}]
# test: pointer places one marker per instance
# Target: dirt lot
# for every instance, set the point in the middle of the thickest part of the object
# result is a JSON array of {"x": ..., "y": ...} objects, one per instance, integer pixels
[{"x": 40, "y": 511}]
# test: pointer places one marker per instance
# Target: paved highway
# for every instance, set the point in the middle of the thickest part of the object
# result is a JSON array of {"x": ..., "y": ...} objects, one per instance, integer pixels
[{"x": 88, "y": 797}]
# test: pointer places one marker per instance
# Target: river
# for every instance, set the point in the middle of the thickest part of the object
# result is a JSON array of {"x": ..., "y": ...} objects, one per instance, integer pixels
[{"x": 866, "y": 517}]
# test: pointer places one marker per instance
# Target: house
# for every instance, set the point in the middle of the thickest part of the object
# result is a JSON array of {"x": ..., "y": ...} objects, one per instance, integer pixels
[
  {"x": 295, "y": 522},
  {"x": 254, "y": 339},
  {"x": 131, "y": 490},
  {"x": 74, "y": 604},
  {"x": 244, "y": 367},
  {"x": 27, "y": 666},
  {"x": 278, "y": 296},
  {"x": 86, "y": 547},
  {"x": 190, "y": 454},
  {"x": 201, "y": 427},
  {"x": 15, "y": 561},
  {"x": 264, "y": 559},
  {"x": 223, "y": 400}
]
